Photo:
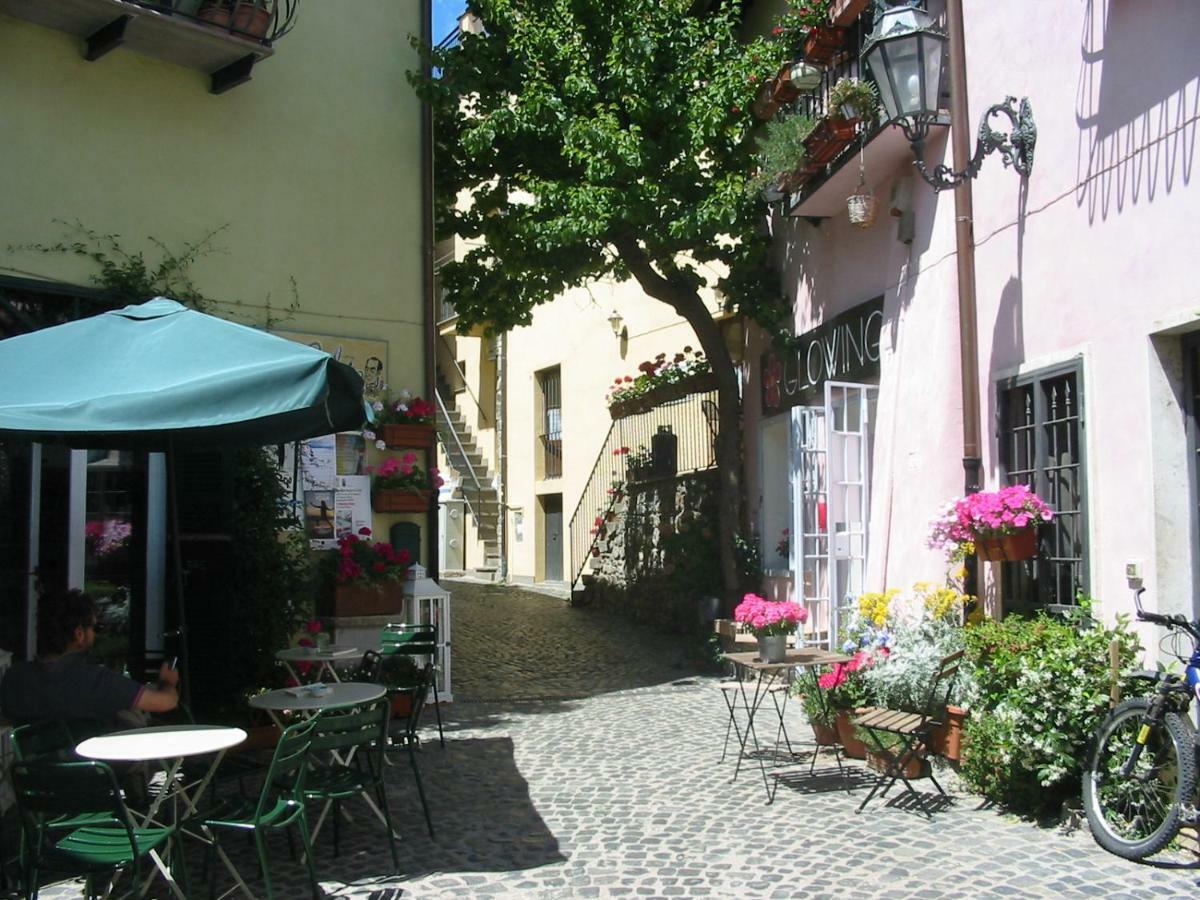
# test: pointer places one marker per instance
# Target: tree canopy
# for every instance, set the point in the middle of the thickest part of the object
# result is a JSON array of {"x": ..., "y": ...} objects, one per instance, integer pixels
[{"x": 606, "y": 139}]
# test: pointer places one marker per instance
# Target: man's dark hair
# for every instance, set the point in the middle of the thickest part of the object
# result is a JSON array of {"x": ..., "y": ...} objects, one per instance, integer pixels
[{"x": 59, "y": 614}]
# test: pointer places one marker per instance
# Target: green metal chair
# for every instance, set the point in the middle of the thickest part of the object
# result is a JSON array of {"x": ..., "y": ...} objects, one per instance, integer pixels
[
  {"x": 369, "y": 668},
  {"x": 403, "y": 733},
  {"x": 279, "y": 805},
  {"x": 419, "y": 641},
  {"x": 362, "y": 736},
  {"x": 50, "y": 794}
]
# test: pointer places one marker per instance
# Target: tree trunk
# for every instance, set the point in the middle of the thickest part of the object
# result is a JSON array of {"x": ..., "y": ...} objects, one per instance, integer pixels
[{"x": 688, "y": 303}]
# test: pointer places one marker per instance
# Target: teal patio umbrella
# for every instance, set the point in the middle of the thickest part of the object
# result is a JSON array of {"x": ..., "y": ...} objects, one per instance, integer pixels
[
  {"x": 159, "y": 375},
  {"x": 146, "y": 376}
]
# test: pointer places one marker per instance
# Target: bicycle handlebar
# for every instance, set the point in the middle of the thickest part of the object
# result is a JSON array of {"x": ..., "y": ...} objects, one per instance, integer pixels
[{"x": 1171, "y": 621}]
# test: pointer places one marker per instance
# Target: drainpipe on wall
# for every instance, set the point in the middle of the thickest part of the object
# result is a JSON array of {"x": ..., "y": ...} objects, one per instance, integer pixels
[
  {"x": 964, "y": 243},
  {"x": 427, "y": 287},
  {"x": 502, "y": 454}
]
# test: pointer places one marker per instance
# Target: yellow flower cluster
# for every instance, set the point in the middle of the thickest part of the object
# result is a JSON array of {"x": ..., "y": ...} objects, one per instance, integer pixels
[
  {"x": 873, "y": 606},
  {"x": 941, "y": 602}
]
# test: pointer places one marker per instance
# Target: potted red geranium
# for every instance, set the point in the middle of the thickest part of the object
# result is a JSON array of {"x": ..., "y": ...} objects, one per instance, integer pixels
[
  {"x": 368, "y": 577},
  {"x": 406, "y": 421}
]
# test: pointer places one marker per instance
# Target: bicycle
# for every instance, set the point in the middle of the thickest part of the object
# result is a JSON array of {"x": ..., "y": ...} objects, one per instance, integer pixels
[{"x": 1139, "y": 786}]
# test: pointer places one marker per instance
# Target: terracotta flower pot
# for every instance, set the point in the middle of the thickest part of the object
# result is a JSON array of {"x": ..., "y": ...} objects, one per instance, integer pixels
[
  {"x": 1011, "y": 547},
  {"x": 851, "y": 745},
  {"x": 832, "y": 135},
  {"x": 824, "y": 735},
  {"x": 912, "y": 765},
  {"x": 946, "y": 739}
]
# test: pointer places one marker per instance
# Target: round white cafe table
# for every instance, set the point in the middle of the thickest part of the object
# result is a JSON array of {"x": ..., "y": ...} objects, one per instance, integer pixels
[
  {"x": 161, "y": 742},
  {"x": 325, "y": 658},
  {"x": 300, "y": 699}
]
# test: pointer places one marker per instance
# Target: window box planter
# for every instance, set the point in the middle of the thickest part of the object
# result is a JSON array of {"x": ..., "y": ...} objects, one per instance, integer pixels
[
  {"x": 663, "y": 394},
  {"x": 1011, "y": 547},
  {"x": 401, "y": 436},
  {"x": 832, "y": 135},
  {"x": 400, "y": 500},
  {"x": 845, "y": 13},
  {"x": 353, "y": 600},
  {"x": 823, "y": 44}
]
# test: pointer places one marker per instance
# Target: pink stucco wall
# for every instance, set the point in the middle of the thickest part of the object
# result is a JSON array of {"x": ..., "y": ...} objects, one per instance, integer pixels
[{"x": 1090, "y": 258}]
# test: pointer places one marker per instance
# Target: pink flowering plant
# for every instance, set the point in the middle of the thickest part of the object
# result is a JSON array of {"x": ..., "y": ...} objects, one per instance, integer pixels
[
  {"x": 844, "y": 684},
  {"x": 656, "y": 372},
  {"x": 766, "y": 618},
  {"x": 987, "y": 514},
  {"x": 107, "y": 536},
  {"x": 404, "y": 474},
  {"x": 362, "y": 561}
]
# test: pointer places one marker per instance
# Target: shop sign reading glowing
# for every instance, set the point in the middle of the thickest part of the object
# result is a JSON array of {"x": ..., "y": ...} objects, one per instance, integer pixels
[{"x": 845, "y": 348}]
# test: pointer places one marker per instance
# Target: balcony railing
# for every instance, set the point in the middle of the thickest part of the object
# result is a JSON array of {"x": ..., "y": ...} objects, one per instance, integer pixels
[{"x": 223, "y": 38}]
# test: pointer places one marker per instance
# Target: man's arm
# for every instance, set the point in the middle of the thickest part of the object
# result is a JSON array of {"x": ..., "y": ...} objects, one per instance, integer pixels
[{"x": 163, "y": 698}]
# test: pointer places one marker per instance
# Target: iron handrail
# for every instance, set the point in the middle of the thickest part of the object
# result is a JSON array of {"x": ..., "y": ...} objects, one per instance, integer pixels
[{"x": 461, "y": 449}]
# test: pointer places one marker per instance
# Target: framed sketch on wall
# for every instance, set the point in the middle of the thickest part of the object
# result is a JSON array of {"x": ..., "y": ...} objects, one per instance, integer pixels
[{"x": 367, "y": 357}]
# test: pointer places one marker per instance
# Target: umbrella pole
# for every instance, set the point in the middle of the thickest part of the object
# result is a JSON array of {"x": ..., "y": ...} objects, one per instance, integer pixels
[{"x": 185, "y": 693}]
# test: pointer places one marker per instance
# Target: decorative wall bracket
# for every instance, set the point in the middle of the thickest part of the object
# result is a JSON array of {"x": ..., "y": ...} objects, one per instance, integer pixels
[{"x": 1016, "y": 146}]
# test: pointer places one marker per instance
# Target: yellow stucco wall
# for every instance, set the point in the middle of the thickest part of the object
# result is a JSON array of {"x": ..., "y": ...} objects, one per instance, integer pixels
[
  {"x": 573, "y": 333},
  {"x": 312, "y": 168}
]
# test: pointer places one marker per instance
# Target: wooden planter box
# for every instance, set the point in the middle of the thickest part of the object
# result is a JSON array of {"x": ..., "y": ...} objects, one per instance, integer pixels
[
  {"x": 845, "y": 12},
  {"x": 1011, "y": 547},
  {"x": 663, "y": 394},
  {"x": 399, "y": 436},
  {"x": 823, "y": 44},
  {"x": 353, "y": 600},
  {"x": 832, "y": 135},
  {"x": 394, "y": 500}
]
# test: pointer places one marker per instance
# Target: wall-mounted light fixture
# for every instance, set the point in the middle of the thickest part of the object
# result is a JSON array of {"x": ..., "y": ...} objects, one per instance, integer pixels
[
  {"x": 617, "y": 323},
  {"x": 907, "y": 55}
]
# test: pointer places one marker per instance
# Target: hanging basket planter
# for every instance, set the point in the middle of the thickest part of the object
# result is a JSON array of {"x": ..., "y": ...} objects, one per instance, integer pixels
[
  {"x": 863, "y": 207},
  {"x": 1009, "y": 548}
]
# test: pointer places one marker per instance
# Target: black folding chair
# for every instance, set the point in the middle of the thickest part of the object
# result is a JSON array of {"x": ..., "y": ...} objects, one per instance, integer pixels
[
  {"x": 910, "y": 730},
  {"x": 420, "y": 641},
  {"x": 403, "y": 733}
]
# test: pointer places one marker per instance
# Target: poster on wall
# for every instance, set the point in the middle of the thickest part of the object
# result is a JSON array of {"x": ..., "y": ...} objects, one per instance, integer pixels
[
  {"x": 318, "y": 519},
  {"x": 318, "y": 466},
  {"x": 351, "y": 451},
  {"x": 366, "y": 357},
  {"x": 352, "y": 504}
]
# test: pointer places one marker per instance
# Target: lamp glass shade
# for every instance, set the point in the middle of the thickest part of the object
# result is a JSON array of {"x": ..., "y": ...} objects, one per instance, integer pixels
[{"x": 906, "y": 57}]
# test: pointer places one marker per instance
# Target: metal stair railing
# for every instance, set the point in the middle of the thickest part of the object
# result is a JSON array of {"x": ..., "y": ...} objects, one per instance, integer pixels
[
  {"x": 692, "y": 420},
  {"x": 462, "y": 452},
  {"x": 446, "y": 360}
]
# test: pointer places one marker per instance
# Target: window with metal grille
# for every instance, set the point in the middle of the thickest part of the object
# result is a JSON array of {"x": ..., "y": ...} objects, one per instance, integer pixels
[
  {"x": 550, "y": 382},
  {"x": 1041, "y": 444}
]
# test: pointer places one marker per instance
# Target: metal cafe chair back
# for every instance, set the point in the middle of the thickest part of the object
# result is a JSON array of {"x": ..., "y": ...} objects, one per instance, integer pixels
[
  {"x": 52, "y": 794},
  {"x": 403, "y": 733},
  {"x": 420, "y": 640}
]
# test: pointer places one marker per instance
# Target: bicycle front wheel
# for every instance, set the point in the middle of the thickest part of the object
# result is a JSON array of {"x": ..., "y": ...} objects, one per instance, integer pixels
[{"x": 1136, "y": 816}]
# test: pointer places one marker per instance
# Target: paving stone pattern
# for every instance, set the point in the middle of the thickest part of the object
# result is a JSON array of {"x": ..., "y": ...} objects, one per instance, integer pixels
[{"x": 614, "y": 789}]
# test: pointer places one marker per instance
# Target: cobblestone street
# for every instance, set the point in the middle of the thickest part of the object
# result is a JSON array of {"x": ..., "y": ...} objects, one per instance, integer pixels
[{"x": 613, "y": 787}]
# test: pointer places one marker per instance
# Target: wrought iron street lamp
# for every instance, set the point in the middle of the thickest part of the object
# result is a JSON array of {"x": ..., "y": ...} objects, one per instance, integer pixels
[{"x": 907, "y": 54}]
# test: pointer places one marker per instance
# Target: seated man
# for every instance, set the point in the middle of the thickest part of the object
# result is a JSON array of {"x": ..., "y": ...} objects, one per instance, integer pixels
[{"x": 64, "y": 684}]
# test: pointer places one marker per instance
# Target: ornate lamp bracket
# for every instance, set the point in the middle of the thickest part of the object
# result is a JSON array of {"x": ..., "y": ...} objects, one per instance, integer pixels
[{"x": 1016, "y": 146}]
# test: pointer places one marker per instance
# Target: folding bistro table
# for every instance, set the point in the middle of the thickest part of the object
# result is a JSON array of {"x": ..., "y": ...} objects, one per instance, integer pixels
[
  {"x": 765, "y": 677},
  {"x": 325, "y": 659}
]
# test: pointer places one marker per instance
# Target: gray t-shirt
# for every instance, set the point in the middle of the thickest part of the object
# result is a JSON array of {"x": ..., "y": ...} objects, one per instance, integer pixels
[{"x": 70, "y": 687}]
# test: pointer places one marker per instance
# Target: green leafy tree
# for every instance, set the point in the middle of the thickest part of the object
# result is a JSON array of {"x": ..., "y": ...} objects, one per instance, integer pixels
[{"x": 607, "y": 139}]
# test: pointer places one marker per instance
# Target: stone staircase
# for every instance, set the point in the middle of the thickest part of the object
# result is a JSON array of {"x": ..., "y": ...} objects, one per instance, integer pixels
[{"x": 483, "y": 502}]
